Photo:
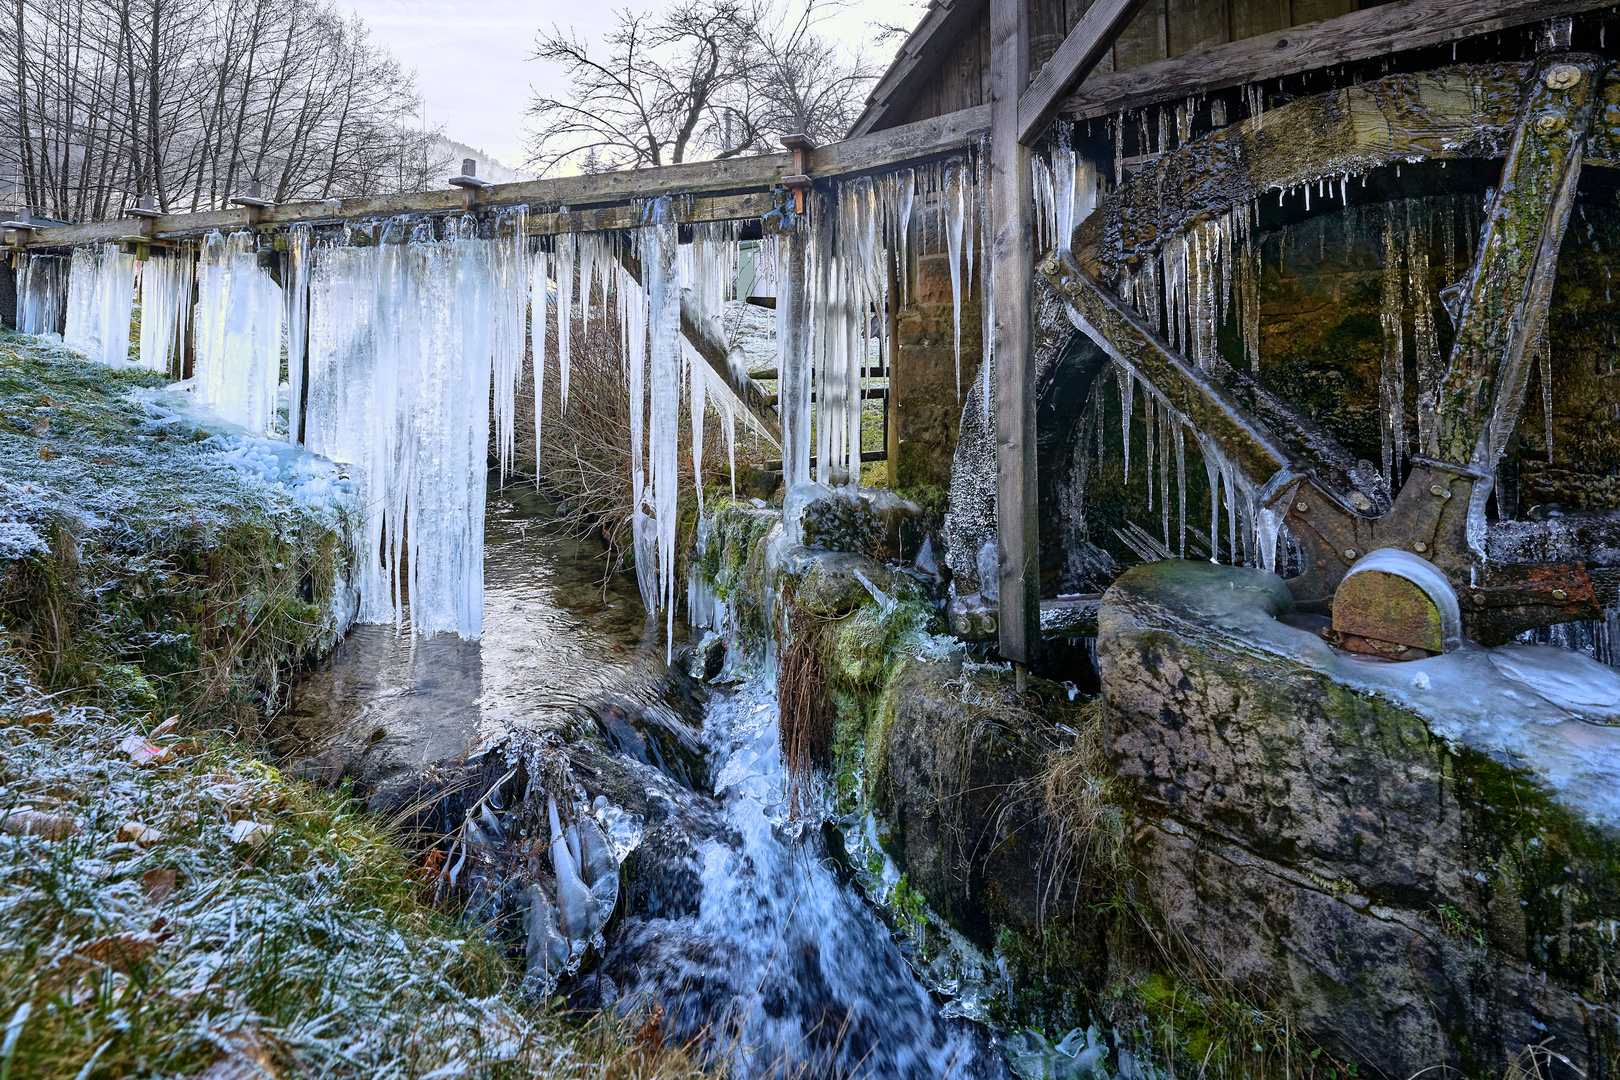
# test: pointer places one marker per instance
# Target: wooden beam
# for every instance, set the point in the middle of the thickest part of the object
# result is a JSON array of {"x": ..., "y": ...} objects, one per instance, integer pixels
[
  {"x": 1084, "y": 46},
  {"x": 918, "y": 57},
  {"x": 1507, "y": 292},
  {"x": 793, "y": 351},
  {"x": 1011, "y": 273},
  {"x": 1360, "y": 35},
  {"x": 738, "y": 188},
  {"x": 695, "y": 329}
]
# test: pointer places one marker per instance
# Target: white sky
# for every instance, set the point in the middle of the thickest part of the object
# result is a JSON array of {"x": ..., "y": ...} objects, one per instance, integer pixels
[{"x": 472, "y": 66}]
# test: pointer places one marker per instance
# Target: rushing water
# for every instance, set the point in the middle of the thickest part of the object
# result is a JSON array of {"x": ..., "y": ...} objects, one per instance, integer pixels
[{"x": 737, "y": 922}]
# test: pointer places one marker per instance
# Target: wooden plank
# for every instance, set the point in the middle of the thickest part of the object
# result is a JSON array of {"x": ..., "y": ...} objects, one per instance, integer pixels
[
  {"x": 1252, "y": 17},
  {"x": 918, "y": 58},
  {"x": 1011, "y": 271},
  {"x": 1143, "y": 40},
  {"x": 631, "y": 215},
  {"x": 1196, "y": 24},
  {"x": 1360, "y": 35},
  {"x": 793, "y": 353},
  {"x": 880, "y": 151},
  {"x": 1073, "y": 61},
  {"x": 1508, "y": 290}
]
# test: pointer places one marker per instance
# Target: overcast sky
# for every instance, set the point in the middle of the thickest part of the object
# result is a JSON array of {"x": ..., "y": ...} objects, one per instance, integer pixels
[{"x": 472, "y": 65}]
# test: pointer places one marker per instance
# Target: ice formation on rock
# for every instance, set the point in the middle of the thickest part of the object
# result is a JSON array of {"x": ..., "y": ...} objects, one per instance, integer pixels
[
  {"x": 237, "y": 364},
  {"x": 101, "y": 296}
]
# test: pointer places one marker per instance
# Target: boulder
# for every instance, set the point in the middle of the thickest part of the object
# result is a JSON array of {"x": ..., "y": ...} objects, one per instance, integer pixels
[{"x": 1415, "y": 863}]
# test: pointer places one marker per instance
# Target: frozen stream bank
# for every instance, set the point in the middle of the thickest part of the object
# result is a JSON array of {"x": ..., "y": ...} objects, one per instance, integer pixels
[{"x": 731, "y": 919}]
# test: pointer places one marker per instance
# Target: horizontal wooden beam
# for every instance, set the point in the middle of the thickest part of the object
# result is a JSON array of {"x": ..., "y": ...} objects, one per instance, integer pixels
[
  {"x": 1084, "y": 46},
  {"x": 737, "y": 188},
  {"x": 1360, "y": 35}
]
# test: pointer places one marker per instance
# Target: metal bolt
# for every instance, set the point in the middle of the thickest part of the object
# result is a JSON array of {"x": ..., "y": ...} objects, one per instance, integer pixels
[
  {"x": 1350, "y": 553},
  {"x": 1479, "y": 599},
  {"x": 1419, "y": 546},
  {"x": 1440, "y": 490},
  {"x": 1049, "y": 267},
  {"x": 1561, "y": 76},
  {"x": 1551, "y": 124},
  {"x": 1560, "y": 595},
  {"x": 1301, "y": 507}
]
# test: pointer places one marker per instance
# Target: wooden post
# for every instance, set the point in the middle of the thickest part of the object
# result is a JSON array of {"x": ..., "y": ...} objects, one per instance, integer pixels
[
  {"x": 1011, "y": 279},
  {"x": 891, "y": 429}
]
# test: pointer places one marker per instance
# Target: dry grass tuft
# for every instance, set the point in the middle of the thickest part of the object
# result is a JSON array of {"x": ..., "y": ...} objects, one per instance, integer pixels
[{"x": 803, "y": 695}]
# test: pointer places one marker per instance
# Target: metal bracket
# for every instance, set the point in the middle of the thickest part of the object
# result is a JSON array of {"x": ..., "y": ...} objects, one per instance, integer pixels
[
  {"x": 467, "y": 180},
  {"x": 798, "y": 181},
  {"x": 254, "y": 202}
]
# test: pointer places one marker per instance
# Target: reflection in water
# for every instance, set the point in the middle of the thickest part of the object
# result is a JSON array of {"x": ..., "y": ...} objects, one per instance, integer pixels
[{"x": 386, "y": 703}]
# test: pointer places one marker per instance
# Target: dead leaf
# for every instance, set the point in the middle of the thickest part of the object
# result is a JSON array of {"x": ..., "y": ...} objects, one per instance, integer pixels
[
  {"x": 38, "y": 718},
  {"x": 247, "y": 1060},
  {"x": 143, "y": 753},
  {"x": 45, "y": 453},
  {"x": 139, "y": 833},
  {"x": 121, "y": 952},
  {"x": 165, "y": 727},
  {"x": 38, "y": 823},
  {"x": 250, "y": 832},
  {"x": 159, "y": 884}
]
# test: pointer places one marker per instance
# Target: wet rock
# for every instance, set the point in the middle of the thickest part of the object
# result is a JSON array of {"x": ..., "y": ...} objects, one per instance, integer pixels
[
  {"x": 704, "y": 660},
  {"x": 956, "y": 779},
  {"x": 871, "y": 521},
  {"x": 1425, "y": 850},
  {"x": 829, "y": 583}
]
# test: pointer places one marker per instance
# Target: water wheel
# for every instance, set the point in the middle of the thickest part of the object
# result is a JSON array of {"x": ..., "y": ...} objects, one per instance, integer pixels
[{"x": 1438, "y": 205}]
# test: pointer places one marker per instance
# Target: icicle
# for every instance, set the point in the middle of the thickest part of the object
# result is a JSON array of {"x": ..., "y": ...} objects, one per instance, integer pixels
[
  {"x": 1212, "y": 471},
  {"x": 698, "y": 403},
  {"x": 238, "y": 339},
  {"x": 539, "y": 302},
  {"x": 660, "y": 242},
  {"x": 1151, "y": 442},
  {"x": 100, "y": 300},
  {"x": 42, "y": 289},
  {"x": 510, "y": 285},
  {"x": 1181, "y": 490},
  {"x": 166, "y": 302},
  {"x": 1127, "y": 394},
  {"x": 1167, "y": 418},
  {"x": 1544, "y": 347},
  {"x": 1392, "y": 369},
  {"x": 956, "y": 216},
  {"x": 564, "y": 269}
]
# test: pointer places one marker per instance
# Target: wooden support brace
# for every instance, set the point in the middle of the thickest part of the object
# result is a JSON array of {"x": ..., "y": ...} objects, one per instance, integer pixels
[
  {"x": 695, "y": 329},
  {"x": 1011, "y": 275},
  {"x": 254, "y": 202},
  {"x": 1506, "y": 295},
  {"x": 1085, "y": 45}
]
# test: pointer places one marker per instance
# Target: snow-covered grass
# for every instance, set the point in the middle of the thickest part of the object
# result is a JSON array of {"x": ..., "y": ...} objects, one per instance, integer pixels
[
  {"x": 151, "y": 560},
  {"x": 157, "y": 918}
]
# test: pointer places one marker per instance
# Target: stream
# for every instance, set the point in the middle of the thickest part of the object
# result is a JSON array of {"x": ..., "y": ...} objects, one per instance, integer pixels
[{"x": 738, "y": 924}]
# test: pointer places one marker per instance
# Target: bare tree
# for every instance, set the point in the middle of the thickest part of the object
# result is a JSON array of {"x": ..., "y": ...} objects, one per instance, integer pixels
[
  {"x": 190, "y": 100},
  {"x": 705, "y": 79}
]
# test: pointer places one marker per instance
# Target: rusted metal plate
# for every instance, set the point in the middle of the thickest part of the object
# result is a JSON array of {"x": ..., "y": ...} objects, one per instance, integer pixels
[
  {"x": 1388, "y": 608},
  {"x": 1505, "y": 600}
]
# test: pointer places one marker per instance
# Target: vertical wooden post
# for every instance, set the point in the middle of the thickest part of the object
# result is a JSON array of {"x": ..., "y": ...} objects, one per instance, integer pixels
[
  {"x": 891, "y": 429},
  {"x": 1011, "y": 277}
]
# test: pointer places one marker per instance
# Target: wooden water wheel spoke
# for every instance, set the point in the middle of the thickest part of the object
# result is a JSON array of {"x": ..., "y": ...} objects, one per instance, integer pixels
[{"x": 1540, "y": 118}]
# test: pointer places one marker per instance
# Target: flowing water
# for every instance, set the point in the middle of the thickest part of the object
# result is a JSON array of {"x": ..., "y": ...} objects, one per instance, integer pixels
[{"x": 737, "y": 923}]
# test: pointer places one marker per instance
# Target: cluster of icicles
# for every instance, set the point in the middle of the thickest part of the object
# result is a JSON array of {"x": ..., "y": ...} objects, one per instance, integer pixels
[
  {"x": 405, "y": 331},
  {"x": 1209, "y": 274}
]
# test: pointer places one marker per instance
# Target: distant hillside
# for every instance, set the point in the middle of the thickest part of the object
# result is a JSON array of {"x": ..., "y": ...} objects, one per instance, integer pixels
[{"x": 450, "y": 153}]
